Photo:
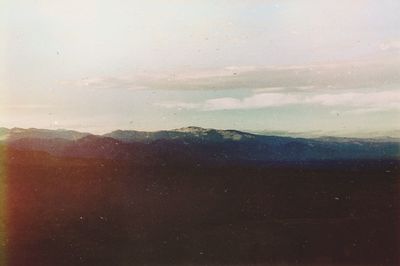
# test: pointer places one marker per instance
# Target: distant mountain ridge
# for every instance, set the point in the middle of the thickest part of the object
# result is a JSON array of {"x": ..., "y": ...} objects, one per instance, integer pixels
[
  {"x": 188, "y": 133},
  {"x": 20, "y": 133},
  {"x": 196, "y": 144}
]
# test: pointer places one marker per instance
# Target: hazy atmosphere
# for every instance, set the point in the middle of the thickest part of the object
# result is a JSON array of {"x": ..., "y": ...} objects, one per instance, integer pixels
[
  {"x": 199, "y": 132},
  {"x": 309, "y": 67}
]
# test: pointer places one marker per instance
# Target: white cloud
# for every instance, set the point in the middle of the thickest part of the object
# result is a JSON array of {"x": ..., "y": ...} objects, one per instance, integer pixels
[
  {"x": 271, "y": 89},
  {"x": 393, "y": 45},
  {"x": 179, "y": 106},
  {"x": 357, "y": 102},
  {"x": 260, "y": 100},
  {"x": 26, "y": 106},
  {"x": 377, "y": 99},
  {"x": 360, "y": 111},
  {"x": 382, "y": 73},
  {"x": 107, "y": 83}
]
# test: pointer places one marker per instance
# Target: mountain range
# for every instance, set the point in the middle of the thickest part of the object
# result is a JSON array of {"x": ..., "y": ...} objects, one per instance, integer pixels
[
  {"x": 195, "y": 196},
  {"x": 197, "y": 144}
]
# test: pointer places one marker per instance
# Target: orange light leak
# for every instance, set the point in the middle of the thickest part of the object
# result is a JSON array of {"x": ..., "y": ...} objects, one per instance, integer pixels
[{"x": 3, "y": 203}]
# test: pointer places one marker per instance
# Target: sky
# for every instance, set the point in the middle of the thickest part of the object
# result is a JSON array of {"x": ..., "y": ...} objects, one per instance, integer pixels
[{"x": 313, "y": 67}]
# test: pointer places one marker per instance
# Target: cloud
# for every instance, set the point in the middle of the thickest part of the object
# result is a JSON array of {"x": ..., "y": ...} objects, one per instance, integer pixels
[
  {"x": 393, "y": 45},
  {"x": 106, "y": 83},
  {"x": 358, "y": 99},
  {"x": 376, "y": 73},
  {"x": 357, "y": 102},
  {"x": 261, "y": 100},
  {"x": 26, "y": 106},
  {"x": 179, "y": 106}
]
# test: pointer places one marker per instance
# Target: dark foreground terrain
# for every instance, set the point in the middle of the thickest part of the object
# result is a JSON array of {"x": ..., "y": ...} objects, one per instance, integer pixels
[{"x": 101, "y": 211}]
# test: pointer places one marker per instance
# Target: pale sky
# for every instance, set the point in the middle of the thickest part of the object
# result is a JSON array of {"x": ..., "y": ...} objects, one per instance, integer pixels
[{"x": 331, "y": 67}]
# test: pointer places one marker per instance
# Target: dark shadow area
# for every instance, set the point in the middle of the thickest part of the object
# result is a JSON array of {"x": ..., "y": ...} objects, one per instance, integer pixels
[{"x": 74, "y": 211}]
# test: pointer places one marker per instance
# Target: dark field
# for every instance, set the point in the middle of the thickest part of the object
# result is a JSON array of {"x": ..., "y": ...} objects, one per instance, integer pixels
[{"x": 69, "y": 211}]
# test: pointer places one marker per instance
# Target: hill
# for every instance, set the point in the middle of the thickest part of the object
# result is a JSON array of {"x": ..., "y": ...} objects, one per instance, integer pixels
[{"x": 198, "y": 144}]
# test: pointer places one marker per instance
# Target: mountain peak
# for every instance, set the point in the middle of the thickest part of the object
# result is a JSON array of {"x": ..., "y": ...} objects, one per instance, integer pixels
[{"x": 191, "y": 129}]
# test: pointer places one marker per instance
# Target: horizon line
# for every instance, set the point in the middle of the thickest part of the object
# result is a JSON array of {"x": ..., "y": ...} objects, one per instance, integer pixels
[{"x": 266, "y": 132}]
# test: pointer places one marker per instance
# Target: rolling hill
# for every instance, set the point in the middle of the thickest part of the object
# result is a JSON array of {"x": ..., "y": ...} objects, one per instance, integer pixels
[{"x": 197, "y": 144}]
